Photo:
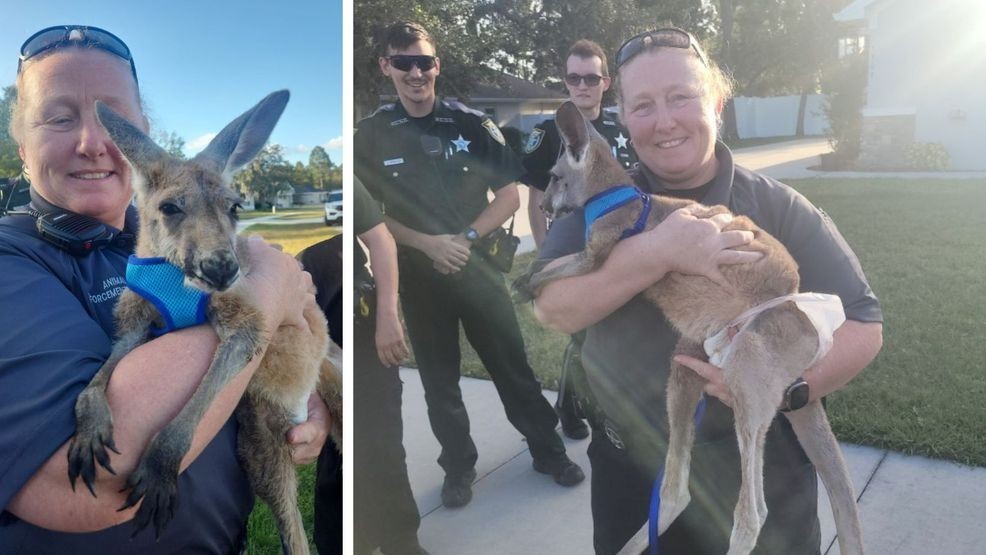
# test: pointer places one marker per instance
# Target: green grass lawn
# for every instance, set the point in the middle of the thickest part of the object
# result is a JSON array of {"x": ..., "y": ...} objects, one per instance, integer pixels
[
  {"x": 920, "y": 244},
  {"x": 293, "y": 238},
  {"x": 285, "y": 213}
]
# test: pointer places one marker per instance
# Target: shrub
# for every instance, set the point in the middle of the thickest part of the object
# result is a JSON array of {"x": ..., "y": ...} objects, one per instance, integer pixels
[
  {"x": 926, "y": 156},
  {"x": 844, "y": 85}
]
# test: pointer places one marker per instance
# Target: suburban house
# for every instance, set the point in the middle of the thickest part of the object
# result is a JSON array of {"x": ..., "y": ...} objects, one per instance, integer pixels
[
  {"x": 927, "y": 78},
  {"x": 516, "y": 103},
  {"x": 308, "y": 195},
  {"x": 285, "y": 199}
]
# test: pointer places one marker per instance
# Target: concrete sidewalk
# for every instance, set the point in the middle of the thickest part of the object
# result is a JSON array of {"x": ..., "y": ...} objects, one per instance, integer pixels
[{"x": 909, "y": 505}]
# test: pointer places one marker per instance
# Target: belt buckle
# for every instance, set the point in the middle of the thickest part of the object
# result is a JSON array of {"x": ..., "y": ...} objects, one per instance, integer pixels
[{"x": 612, "y": 436}]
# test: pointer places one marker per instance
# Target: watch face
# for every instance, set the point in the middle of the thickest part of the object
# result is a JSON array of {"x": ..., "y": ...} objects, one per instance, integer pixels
[
  {"x": 797, "y": 395},
  {"x": 472, "y": 234}
]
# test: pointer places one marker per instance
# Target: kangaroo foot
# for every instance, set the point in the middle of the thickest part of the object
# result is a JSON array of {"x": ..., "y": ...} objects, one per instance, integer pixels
[{"x": 93, "y": 436}]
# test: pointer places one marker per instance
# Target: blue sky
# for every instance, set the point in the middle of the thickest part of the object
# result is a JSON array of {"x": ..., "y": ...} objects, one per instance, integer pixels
[{"x": 202, "y": 63}]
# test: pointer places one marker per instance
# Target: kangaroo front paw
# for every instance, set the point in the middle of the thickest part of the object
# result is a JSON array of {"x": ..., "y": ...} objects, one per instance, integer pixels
[
  {"x": 155, "y": 480},
  {"x": 93, "y": 436}
]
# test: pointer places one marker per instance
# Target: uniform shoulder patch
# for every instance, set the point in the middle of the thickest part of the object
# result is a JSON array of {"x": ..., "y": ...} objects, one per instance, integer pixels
[
  {"x": 534, "y": 140},
  {"x": 384, "y": 108},
  {"x": 494, "y": 131},
  {"x": 460, "y": 107}
]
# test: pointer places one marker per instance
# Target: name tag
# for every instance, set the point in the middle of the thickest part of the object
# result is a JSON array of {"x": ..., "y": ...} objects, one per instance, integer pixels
[{"x": 393, "y": 162}]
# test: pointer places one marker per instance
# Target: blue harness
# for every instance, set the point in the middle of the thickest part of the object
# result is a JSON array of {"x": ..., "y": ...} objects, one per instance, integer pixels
[
  {"x": 611, "y": 199},
  {"x": 163, "y": 284}
]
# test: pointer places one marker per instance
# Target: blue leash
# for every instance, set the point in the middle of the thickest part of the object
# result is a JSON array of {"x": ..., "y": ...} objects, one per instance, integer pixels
[{"x": 655, "y": 494}]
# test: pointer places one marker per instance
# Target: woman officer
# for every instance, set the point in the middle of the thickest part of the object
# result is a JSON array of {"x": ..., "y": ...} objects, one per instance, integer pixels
[
  {"x": 57, "y": 324},
  {"x": 671, "y": 97}
]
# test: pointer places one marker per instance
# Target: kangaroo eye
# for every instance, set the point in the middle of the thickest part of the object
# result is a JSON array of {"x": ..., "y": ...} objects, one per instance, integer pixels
[
  {"x": 234, "y": 211},
  {"x": 169, "y": 209}
]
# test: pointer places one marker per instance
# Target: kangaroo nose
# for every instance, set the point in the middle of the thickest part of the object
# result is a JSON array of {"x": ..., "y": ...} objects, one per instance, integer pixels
[
  {"x": 546, "y": 205},
  {"x": 220, "y": 270}
]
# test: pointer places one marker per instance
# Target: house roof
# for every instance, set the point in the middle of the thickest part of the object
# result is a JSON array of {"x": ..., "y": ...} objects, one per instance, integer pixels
[
  {"x": 514, "y": 88},
  {"x": 307, "y": 189}
]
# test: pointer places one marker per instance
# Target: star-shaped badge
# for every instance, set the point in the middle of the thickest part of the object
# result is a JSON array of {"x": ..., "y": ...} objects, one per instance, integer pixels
[
  {"x": 461, "y": 144},
  {"x": 621, "y": 141}
]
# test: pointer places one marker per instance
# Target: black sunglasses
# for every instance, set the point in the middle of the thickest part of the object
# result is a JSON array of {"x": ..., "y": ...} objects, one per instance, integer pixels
[
  {"x": 75, "y": 35},
  {"x": 405, "y": 62},
  {"x": 591, "y": 80},
  {"x": 668, "y": 36}
]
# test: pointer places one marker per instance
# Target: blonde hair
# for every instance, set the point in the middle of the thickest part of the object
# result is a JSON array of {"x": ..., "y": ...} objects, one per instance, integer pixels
[{"x": 715, "y": 80}]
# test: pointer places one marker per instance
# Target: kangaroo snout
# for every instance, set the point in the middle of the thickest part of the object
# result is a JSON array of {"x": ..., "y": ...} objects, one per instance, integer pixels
[{"x": 220, "y": 270}]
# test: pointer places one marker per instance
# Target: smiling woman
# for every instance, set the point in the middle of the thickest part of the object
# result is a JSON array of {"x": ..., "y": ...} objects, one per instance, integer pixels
[{"x": 58, "y": 313}]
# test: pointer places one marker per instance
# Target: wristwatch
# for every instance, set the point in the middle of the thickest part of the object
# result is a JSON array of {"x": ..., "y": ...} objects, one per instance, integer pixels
[
  {"x": 796, "y": 395},
  {"x": 471, "y": 235}
]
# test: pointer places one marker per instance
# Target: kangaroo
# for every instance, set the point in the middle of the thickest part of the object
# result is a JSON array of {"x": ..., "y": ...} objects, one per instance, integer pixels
[
  {"x": 765, "y": 355},
  {"x": 187, "y": 219}
]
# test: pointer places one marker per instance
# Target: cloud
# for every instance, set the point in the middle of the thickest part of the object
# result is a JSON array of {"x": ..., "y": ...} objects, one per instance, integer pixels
[
  {"x": 333, "y": 144},
  {"x": 197, "y": 144}
]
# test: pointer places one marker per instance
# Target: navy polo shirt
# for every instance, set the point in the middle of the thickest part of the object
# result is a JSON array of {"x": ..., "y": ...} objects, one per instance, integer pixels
[{"x": 56, "y": 330}]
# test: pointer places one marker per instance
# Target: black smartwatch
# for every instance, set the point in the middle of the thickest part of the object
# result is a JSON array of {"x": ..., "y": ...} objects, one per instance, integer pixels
[
  {"x": 796, "y": 395},
  {"x": 471, "y": 235}
]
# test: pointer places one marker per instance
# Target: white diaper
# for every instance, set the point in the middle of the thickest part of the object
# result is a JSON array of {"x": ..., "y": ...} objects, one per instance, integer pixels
[{"x": 824, "y": 311}]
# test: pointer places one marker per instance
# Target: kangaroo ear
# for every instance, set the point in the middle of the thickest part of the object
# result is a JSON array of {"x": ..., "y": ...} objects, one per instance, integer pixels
[
  {"x": 137, "y": 147},
  {"x": 574, "y": 130},
  {"x": 245, "y": 136}
]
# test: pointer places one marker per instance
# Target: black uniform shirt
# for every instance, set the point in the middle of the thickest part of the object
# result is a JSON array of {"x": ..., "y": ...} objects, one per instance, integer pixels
[
  {"x": 432, "y": 174},
  {"x": 366, "y": 216},
  {"x": 544, "y": 145}
]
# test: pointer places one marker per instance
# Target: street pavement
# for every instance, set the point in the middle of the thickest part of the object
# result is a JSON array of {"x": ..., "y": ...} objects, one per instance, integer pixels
[{"x": 909, "y": 505}]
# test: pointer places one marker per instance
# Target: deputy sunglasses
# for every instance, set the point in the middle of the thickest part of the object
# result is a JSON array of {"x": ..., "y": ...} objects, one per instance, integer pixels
[
  {"x": 74, "y": 35},
  {"x": 405, "y": 62},
  {"x": 591, "y": 80},
  {"x": 668, "y": 36}
]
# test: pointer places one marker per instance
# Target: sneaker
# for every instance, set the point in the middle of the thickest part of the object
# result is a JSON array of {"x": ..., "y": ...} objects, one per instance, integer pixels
[
  {"x": 563, "y": 470},
  {"x": 572, "y": 426},
  {"x": 457, "y": 489}
]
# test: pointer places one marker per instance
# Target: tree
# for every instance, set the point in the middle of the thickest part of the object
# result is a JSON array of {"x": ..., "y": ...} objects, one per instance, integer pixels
[
  {"x": 775, "y": 47},
  {"x": 171, "y": 142},
  {"x": 10, "y": 161},
  {"x": 266, "y": 175},
  {"x": 319, "y": 167}
]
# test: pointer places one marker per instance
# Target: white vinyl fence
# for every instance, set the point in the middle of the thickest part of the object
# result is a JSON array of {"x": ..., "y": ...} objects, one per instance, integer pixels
[{"x": 778, "y": 116}]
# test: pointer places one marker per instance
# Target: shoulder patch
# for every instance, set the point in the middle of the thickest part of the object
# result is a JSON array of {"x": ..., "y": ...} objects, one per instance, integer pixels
[
  {"x": 460, "y": 107},
  {"x": 534, "y": 140},
  {"x": 494, "y": 131},
  {"x": 384, "y": 108}
]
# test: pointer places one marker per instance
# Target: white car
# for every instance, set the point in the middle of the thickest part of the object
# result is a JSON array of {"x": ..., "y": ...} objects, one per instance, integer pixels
[{"x": 333, "y": 209}]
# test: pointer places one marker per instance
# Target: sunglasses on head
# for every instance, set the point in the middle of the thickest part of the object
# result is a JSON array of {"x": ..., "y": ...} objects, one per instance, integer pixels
[
  {"x": 404, "y": 62},
  {"x": 74, "y": 35},
  {"x": 591, "y": 80},
  {"x": 668, "y": 36}
]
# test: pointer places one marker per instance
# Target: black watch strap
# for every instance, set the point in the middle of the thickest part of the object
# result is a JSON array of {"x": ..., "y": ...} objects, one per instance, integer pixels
[{"x": 796, "y": 396}]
